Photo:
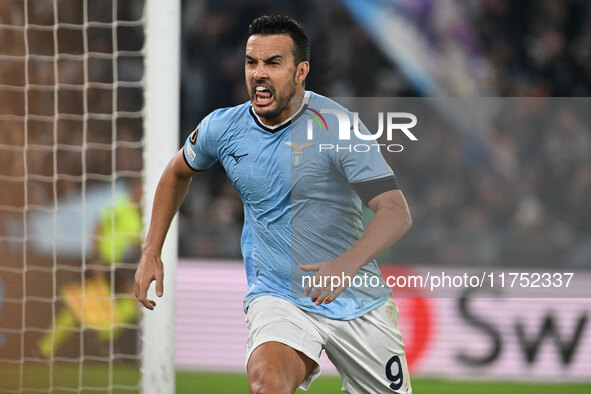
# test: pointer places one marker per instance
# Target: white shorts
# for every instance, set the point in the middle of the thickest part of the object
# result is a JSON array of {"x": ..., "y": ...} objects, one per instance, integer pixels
[{"x": 367, "y": 351}]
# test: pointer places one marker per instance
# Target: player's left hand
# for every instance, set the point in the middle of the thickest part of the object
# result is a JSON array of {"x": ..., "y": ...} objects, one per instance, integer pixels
[{"x": 340, "y": 267}]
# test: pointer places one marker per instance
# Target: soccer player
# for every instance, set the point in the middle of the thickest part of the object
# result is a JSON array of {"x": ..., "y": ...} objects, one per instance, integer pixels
[{"x": 302, "y": 209}]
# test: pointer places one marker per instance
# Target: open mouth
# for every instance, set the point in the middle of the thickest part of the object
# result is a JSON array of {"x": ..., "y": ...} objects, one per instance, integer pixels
[{"x": 262, "y": 95}]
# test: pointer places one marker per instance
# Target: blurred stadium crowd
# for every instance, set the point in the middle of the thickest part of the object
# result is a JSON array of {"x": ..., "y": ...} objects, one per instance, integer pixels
[
  {"x": 500, "y": 196},
  {"x": 508, "y": 197},
  {"x": 71, "y": 121},
  {"x": 95, "y": 129}
]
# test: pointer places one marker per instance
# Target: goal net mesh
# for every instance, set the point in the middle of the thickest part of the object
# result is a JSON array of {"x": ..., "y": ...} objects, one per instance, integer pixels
[{"x": 71, "y": 114}]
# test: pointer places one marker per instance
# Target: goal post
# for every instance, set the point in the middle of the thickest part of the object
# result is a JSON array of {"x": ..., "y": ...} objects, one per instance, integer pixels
[{"x": 161, "y": 125}]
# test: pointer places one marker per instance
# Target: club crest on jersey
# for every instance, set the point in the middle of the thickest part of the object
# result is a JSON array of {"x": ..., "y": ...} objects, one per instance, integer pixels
[{"x": 297, "y": 154}]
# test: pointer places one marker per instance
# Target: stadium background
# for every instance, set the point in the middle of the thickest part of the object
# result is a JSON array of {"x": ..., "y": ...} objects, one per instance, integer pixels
[{"x": 505, "y": 198}]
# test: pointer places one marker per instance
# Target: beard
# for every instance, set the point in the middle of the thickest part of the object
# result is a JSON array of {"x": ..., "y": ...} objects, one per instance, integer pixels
[{"x": 281, "y": 101}]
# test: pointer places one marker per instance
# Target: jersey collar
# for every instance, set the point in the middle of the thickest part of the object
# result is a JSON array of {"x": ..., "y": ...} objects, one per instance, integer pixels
[{"x": 286, "y": 122}]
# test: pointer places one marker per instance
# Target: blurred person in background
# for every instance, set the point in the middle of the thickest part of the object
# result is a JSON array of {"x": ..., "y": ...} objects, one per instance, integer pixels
[{"x": 93, "y": 303}]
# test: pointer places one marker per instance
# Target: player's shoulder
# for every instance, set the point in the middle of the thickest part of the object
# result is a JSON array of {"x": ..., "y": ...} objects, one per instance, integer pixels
[
  {"x": 320, "y": 102},
  {"x": 222, "y": 117},
  {"x": 328, "y": 111},
  {"x": 327, "y": 108}
]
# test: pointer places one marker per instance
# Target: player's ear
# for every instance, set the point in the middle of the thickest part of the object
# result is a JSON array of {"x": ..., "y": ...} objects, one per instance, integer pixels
[{"x": 302, "y": 71}]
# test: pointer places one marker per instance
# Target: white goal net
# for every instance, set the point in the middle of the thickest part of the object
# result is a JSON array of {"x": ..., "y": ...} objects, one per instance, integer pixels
[{"x": 72, "y": 112}]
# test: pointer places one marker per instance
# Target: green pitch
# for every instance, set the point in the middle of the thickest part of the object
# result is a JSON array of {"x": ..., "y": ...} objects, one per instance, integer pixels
[
  {"x": 38, "y": 376},
  {"x": 205, "y": 383}
]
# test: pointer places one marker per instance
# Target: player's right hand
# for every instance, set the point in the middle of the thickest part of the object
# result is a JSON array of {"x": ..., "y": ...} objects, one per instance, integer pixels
[{"x": 149, "y": 269}]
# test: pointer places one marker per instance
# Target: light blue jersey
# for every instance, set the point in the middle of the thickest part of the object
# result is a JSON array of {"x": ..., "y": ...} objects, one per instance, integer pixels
[{"x": 299, "y": 205}]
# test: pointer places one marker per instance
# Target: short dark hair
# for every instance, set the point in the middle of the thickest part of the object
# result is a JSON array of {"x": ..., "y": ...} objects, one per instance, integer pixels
[{"x": 280, "y": 24}]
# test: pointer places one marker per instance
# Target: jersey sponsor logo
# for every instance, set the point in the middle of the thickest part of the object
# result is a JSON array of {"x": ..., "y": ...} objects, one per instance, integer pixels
[
  {"x": 297, "y": 154},
  {"x": 194, "y": 136},
  {"x": 237, "y": 157}
]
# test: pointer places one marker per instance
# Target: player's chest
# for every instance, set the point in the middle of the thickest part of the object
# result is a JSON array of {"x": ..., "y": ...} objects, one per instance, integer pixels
[
  {"x": 270, "y": 165},
  {"x": 258, "y": 164},
  {"x": 267, "y": 166}
]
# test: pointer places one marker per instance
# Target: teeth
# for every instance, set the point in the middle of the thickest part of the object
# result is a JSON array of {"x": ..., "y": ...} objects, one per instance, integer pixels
[
  {"x": 260, "y": 88},
  {"x": 264, "y": 99}
]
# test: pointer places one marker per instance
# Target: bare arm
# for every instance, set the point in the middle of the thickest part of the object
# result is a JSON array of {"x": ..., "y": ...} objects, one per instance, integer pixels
[
  {"x": 391, "y": 221},
  {"x": 170, "y": 193}
]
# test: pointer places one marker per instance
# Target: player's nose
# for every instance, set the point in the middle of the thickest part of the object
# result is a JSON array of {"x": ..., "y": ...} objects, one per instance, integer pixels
[{"x": 260, "y": 72}]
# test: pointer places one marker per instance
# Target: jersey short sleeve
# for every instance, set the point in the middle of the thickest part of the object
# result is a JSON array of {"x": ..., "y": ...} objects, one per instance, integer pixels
[
  {"x": 364, "y": 167},
  {"x": 361, "y": 160},
  {"x": 198, "y": 151}
]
